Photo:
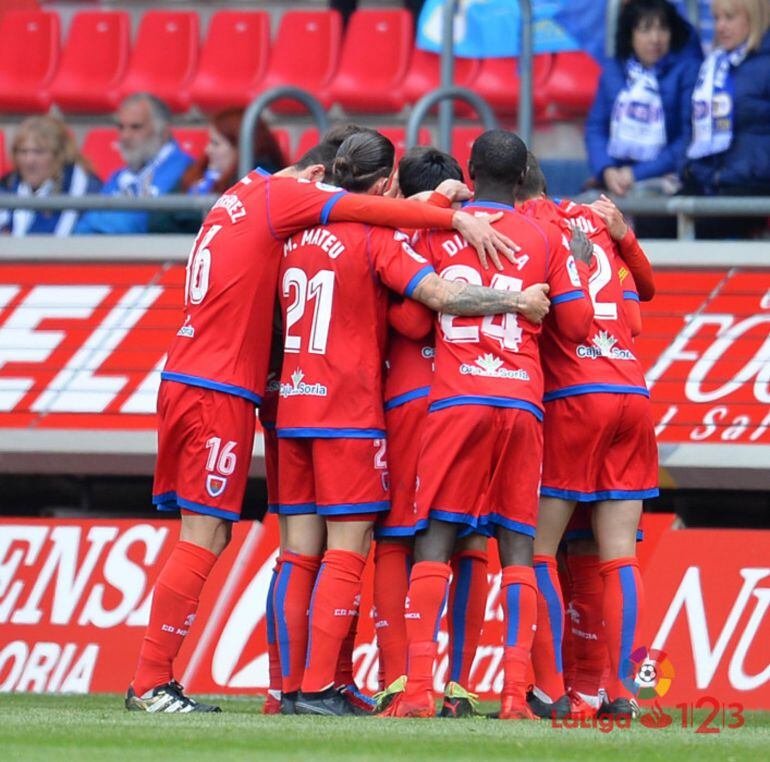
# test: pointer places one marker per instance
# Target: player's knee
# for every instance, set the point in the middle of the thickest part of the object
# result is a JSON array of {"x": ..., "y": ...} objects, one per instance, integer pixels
[
  {"x": 436, "y": 543},
  {"x": 208, "y": 532},
  {"x": 515, "y": 549}
]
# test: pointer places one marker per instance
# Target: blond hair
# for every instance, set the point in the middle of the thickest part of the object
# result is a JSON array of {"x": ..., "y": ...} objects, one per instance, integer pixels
[
  {"x": 758, "y": 12},
  {"x": 53, "y": 134}
]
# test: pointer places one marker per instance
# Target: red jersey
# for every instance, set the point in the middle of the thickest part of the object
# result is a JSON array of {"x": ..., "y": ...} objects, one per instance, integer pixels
[
  {"x": 333, "y": 291},
  {"x": 224, "y": 342},
  {"x": 495, "y": 360},
  {"x": 606, "y": 361},
  {"x": 409, "y": 369}
]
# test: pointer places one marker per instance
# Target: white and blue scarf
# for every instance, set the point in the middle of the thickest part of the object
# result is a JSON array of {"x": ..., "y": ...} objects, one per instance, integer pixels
[
  {"x": 638, "y": 124},
  {"x": 712, "y": 103}
]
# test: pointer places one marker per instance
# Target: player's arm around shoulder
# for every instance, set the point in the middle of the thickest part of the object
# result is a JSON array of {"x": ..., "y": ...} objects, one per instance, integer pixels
[{"x": 570, "y": 255}]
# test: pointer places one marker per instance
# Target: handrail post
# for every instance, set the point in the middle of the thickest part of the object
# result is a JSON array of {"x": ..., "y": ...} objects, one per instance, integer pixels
[
  {"x": 610, "y": 26},
  {"x": 526, "y": 115},
  {"x": 693, "y": 12},
  {"x": 446, "y": 110},
  {"x": 429, "y": 100},
  {"x": 254, "y": 111}
]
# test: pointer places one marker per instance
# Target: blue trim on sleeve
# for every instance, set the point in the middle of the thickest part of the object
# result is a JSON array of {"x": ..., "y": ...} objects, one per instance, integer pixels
[
  {"x": 263, "y": 172},
  {"x": 470, "y": 399},
  {"x": 381, "y": 532},
  {"x": 352, "y": 509},
  {"x": 296, "y": 509},
  {"x": 512, "y": 526},
  {"x": 416, "y": 278},
  {"x": 568, "y": 296},
  {"x": 401, "y": 399},
  {"x": 577, "y": 390},
  {"x": 329, "y": 205},
  {"x": 478, "y": 202},
  {"x": 206, "y": 383},
  {"x": 303, "y": 432},
  {"x": 631, "y": 296},
  {"x": 592, "y": 497}
]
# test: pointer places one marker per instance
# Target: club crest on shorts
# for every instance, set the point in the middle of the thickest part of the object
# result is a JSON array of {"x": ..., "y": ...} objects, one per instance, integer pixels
[{"x": 215, "y": 485}]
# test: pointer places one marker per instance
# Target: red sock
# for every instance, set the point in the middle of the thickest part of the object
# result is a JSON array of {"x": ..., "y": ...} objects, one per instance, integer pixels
[
  {"x": 391, "y": 582},
  {"x": 585, "y": 624},
  {"x": 518, "y": 591},
  {"x": 622, "y": 607},
  {"x": 548, "y": 640},
  {"x": 568, "y": 645},
  {"x": 331, "y": 610},
  {"x": 465, "y": 612},
  {"x": 174, "y": 603},
  {"x": 344, "y": 673},
  {"x": 293, "y": 589},
  {"x": 274, "y": 658},
  {"x": 428, "y": 589}
]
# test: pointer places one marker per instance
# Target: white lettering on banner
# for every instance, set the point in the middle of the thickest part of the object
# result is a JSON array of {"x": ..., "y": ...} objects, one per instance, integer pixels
[
  {"x": 47, "y": 667},
  {"x": 76, "y": 389},
  {"x": 11, "y": 589},
  {"x": 21, "y": 343},
  {"x": 124, "y": 575},
  {"x": 70, "y": 581},
  {"x": 144, "y": 399},
  {"x": 689, "y": 597}
]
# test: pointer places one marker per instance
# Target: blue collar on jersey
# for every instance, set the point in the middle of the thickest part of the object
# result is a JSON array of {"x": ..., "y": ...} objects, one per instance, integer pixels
[
  {"x": 489, "y": 204},
  {"x": 263, "y": 172}
]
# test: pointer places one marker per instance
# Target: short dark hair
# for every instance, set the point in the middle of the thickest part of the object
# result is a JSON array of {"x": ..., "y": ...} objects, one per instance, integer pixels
[
  {"x": 533, "y": 185},
  {"x": 326, "y": 151},
  {"x": 636, "y": 11},
  {"x": 498, "y": 157},
  {"x": 424, "y": 168},
  {"x": 362, "y": 159},
  {"x": 339, "y": 132}
]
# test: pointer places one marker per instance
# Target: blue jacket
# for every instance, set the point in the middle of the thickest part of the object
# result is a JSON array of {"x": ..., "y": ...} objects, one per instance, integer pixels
[
  {"x": 677, "y": 74},
  {"x": 745, "y": 164},
  {"x": 163, "y": 179}
]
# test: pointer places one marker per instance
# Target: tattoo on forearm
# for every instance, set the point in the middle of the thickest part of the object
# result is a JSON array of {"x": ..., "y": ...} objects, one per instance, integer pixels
[{"x": 460, "y": 298}]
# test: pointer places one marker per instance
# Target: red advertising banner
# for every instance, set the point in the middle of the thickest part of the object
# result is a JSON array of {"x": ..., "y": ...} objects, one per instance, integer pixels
[
  {"x": 75, "y": 595},
  {"x": 82, "y": 346}
]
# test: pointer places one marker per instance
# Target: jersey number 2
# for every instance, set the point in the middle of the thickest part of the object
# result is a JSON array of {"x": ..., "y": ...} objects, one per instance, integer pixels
[
  {"x": 320, "y": 288},
  {"x": 598, "y": 280}
]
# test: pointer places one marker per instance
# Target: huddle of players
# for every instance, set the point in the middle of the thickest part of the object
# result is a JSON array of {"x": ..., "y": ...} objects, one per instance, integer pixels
[{"x": 451, "y": 457}]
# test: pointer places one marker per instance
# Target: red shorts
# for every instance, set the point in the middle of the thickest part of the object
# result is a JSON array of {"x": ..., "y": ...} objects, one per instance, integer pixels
[
  {"x": 332, "y": 477},
  {"x": 404, "y": 425},
  {"x": 600, "y": 447},
  {"x": 480, "y": 466},
  {"x": 580, "y": 528},
  {"x": 271, "y": 466},
  {"x": 205, "y": 441}
]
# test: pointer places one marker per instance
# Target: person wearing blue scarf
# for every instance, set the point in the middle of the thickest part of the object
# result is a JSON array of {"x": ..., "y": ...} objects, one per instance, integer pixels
[
  {"x": 46, "y": 161},
  {"x": 730, "y": 149},
  {"x": 639, "y": 125},
  {"x": 155, "y": 164}
]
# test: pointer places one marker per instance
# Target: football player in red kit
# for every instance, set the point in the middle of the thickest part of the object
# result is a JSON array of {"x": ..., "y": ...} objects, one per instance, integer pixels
[
  {"x": 483, "y": 433},
  {"x": 332, "y": 443},
  {"x": 409, "y": 373},
  {"x": 215, "y": 374},
  {"x": 599, "y": 448}
]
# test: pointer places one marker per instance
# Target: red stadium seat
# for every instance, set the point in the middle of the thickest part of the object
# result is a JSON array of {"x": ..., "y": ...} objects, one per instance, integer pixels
[
  {"x": 396, "y": 134},
  {"x": 164, "y": 57},
  {"x": 100, "y": 147},
  {"x": 375, "y": 58},
  {"x": 94, "y": 62},
  {"x": 233, "y": 59},
  {"x": 284, "y": 142},
  {"x": 192, "y": 140},
  {"x": 498, "y": 83},
  {"x": 425, "y": 74},
  {"x": 571, "y": 84},
  {"x": 305, "y": 54},
  {"x": 462, "y": 141},
  {"x": 29, "y": 55}
]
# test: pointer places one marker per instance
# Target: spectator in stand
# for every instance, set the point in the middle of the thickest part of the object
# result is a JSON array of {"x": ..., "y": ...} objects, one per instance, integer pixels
[
  {"x": 217, "y": 169},
  {"x": 46, "y": 161},
  {"x": 638, "y": 128},
  {"x": 730, "y": 150},
  {"x": 154, "y": 164}
]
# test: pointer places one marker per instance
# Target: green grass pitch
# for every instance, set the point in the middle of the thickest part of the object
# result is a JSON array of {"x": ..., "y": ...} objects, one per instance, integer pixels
[{"x": 76, "y": 728}]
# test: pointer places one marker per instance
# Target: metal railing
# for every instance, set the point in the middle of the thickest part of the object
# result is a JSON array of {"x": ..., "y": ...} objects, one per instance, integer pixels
[
  {"x": 685, "y": 208},
  {"x": 259, "y": 104},
  {"x": 443, "y": 95}
]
